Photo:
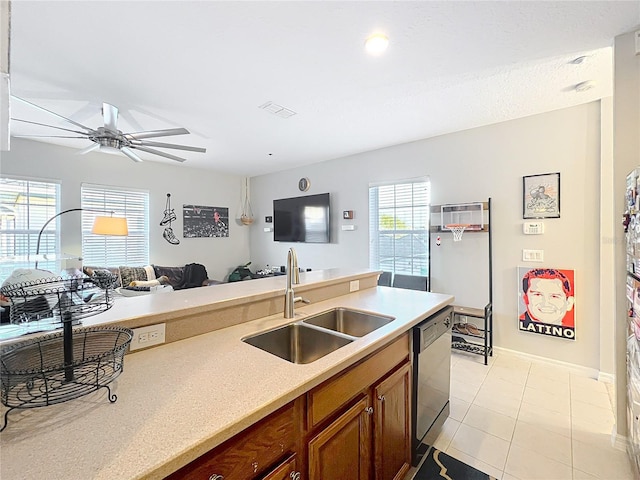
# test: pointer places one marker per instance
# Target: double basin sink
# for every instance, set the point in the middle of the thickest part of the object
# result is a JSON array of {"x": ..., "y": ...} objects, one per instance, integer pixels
[{"x": 318, "y": 335}]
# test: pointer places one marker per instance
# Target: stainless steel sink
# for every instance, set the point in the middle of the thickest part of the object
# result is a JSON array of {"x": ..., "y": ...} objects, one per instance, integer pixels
[
  {"x": 298, "y": 343},
  {"x": 350, "y": 322}
]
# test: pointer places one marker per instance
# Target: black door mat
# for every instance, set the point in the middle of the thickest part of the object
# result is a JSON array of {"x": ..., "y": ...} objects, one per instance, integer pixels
[{"x": 438, "y": 465}]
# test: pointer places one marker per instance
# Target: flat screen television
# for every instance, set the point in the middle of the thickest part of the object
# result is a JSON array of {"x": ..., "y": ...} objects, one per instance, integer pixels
[{"x": 302, "y": 219}]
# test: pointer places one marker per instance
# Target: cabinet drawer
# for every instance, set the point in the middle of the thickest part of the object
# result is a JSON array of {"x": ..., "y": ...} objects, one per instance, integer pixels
[
  {"x": 287, "y": 470},
  {"x": 327, "y": 398},
  {"x": 250, "y": 453}
]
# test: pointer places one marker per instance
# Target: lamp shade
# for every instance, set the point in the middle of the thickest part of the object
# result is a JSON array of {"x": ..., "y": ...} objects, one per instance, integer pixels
[{"x": 110, "y": 226}]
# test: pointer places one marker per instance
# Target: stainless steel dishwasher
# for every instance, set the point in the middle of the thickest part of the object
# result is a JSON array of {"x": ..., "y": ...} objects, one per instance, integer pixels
[{"x": 431, "y": 379}]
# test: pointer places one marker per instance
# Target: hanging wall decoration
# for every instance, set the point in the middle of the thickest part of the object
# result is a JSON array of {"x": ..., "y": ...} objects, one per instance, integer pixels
[
  {"x": 546, "y": 301},
  {"x": 247, "y": 214},
  {"x": 169, "y": 216},
  {"x": 202, "y": 221}
]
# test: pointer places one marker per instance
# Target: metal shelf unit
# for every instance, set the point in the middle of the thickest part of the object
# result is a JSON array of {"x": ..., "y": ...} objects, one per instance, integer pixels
[{"x": 480, "y": 343}]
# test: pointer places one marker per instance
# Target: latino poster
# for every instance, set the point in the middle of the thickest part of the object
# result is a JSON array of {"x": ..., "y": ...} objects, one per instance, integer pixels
[{"x": 546, "y": 302}]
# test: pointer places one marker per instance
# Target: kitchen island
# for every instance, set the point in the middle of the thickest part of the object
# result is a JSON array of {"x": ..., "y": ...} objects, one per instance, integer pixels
[{"x": 179, "y": 400}]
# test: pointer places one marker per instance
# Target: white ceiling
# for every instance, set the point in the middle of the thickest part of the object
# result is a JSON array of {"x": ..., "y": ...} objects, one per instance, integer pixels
[{"x": 208, "y": 66}]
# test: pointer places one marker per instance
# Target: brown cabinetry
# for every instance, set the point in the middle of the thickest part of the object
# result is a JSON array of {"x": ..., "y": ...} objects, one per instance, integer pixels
[
  {"x": 287, "y": 470},
  {"x": 342, "y": 450},
  {"x": 392, "y": 426},
  {"x": 354, "y": 425},
  {"x": 369, "y": 436},
  {"x": 257, "y": 452}
]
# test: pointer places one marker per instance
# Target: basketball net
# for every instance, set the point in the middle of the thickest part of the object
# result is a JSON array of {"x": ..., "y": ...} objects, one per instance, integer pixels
[{"x": 457, "y": 229}]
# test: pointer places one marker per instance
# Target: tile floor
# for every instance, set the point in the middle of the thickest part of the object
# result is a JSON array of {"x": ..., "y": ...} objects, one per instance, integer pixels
[{"x": 522, "y": 420}]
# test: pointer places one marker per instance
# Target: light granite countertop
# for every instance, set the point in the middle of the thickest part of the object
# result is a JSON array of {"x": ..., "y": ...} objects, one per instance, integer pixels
[{"x": 177, "y": 401}]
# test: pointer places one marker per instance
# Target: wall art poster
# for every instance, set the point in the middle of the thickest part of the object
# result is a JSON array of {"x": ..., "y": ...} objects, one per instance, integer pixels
[
  {"x": 541, "y": 196},
  {"x": 546, "y": 301},
  {"x": 202, "y": 221}
]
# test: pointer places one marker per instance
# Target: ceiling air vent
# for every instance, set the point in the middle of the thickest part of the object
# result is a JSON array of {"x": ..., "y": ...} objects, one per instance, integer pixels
[{"x": 278, "y": 110}]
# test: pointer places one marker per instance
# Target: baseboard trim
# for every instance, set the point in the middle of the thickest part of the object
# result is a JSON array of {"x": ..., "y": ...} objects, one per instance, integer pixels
[
  {"x": 619, "y": 442},
  {"x": 577, "y": 369},
  {"x": 606, "y": 377}
]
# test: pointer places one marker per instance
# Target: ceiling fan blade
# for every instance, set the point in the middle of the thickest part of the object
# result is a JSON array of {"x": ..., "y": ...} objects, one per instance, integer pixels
[
  {"x": 127, "y": 151},
  {"x": 110, "y": 115},
  {"x": 158, "y": 152},
  {"x": 169, "y": 145},
  {"x": 156, "y": 133},
  {"x": 50, "y": 126},
  {"x": 52, "y": 113},
  {"x": 90, "y": 148},
  {"x": 46, "y": 136}
]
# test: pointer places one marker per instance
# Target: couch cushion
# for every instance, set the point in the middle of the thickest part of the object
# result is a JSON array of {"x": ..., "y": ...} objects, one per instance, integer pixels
[{"x": 129, "y": 274}]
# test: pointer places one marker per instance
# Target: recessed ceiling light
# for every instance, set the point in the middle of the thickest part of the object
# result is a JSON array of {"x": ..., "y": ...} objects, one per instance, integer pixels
[
  {"x": 376, "y": 43},
  {"x": 584, "y": 86}
]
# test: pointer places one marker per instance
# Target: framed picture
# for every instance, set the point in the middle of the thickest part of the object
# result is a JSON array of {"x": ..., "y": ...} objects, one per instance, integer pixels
[
  {"x": 541, "y": 196},
  {"x": 204, "y": 221},
  {"x": 546, "y": 298}
]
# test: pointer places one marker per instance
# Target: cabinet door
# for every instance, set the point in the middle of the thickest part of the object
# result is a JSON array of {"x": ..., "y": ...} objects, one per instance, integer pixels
[
  {"x": 285, "y": 471},
  {"x": 343, "y": 449},
  {"x": 248, "y": 454},
  {"x": 392, "y": 425}
]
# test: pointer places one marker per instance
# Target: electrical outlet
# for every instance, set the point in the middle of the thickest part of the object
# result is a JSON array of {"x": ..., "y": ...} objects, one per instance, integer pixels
[
  {"x": 148, "y": 336},
  {"x": 354, "y": 285}
]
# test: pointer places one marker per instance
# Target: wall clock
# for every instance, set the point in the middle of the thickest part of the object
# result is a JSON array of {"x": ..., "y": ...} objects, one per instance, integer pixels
[{"x": 304, "y": 184}]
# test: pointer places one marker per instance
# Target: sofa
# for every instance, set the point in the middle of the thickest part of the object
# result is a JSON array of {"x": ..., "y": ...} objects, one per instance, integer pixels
[{"x": 191, "y": 275}]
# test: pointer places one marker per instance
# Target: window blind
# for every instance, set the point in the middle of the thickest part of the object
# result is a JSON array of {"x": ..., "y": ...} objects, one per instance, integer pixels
[
  {"x": 25, "y": 206},
  {"x": 113, "y": 251},
  {"x": 399, "y": 227}
]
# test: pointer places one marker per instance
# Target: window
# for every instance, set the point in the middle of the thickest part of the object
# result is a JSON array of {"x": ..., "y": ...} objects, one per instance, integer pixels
[
  {"x": 399, "y": 227},
  {"x": 112, "y": 251},
  {"x": 25, "y": 206}
]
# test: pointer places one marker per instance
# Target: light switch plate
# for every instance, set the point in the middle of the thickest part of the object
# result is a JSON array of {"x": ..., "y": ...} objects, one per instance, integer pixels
[{"x": 533, "y": 255}]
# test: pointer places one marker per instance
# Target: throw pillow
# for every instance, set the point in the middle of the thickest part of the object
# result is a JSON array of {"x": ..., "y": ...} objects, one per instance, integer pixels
[
  {"x": 101, "y": 271},
  {"x": 130, "y": 274}
]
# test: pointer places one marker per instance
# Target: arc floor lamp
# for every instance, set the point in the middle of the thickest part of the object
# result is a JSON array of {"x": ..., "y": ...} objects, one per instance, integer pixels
[{"x": 102, "y": 225}]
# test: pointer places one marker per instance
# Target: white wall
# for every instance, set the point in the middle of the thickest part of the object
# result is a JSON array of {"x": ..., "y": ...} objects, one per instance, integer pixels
[
  {"x": 466, "y": 167},
  {"x": 187, "y": 186},
  {"x": 626, "y": 154}
]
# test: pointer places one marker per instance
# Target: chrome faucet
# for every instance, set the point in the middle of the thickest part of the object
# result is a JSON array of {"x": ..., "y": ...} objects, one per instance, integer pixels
[{"x": 293, "y": 278}]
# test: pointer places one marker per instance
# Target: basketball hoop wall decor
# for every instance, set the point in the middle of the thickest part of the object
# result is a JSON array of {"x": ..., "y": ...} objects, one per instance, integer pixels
[
  {"x": 457, "y": 229},
  {"x": 460, "y": 217},
  {"x": 541, "y": 196}
]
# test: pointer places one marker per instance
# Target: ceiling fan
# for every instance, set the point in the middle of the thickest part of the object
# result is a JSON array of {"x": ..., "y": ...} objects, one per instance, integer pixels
[{"x": 109, "y": 137}]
